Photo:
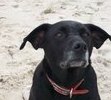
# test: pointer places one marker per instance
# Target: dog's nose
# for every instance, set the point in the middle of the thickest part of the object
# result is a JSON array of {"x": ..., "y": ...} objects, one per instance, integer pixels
[{"x": 79, "y": 46}]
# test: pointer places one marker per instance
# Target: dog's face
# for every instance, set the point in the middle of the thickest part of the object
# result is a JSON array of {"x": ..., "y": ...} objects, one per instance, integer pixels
[{"x": 67, "y": 44}]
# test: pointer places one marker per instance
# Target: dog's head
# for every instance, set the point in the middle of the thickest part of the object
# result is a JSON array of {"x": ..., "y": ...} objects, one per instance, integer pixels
[{"x": 67, "y": 44}]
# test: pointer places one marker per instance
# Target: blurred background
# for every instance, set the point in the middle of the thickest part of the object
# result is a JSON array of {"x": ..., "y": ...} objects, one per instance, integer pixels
[{"x": 19, "y": 17}]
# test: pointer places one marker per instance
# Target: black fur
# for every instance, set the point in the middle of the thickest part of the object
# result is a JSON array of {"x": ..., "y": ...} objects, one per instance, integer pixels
[{"x": 63, "y": 43}]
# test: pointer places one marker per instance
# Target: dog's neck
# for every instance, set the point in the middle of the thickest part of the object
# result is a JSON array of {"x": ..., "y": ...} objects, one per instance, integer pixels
[{"x": 64, "y": 77}]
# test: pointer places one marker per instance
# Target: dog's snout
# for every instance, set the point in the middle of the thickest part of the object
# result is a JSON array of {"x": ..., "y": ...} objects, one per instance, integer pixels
[{"x": 79, "y": 46}]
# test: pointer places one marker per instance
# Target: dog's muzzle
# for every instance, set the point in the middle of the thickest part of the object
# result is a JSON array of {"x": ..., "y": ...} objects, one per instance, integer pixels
[{"x": 75, "y": 63}]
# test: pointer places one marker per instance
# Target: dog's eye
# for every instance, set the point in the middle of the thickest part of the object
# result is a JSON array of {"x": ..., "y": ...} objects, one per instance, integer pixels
[{"x": 59, "y": 35}]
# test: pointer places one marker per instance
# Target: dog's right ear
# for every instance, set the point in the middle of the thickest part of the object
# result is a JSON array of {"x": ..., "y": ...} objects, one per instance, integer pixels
[
  {"x": 99, "y": 36},
  {"x": 36, "y": 37}
]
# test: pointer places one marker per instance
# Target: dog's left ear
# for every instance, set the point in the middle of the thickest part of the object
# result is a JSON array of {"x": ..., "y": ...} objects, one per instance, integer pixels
[
  {"x": 98, "y": 35},
  {"x": 36, "y": 37}
]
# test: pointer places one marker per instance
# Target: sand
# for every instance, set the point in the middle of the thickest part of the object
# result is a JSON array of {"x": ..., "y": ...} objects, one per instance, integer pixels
[{"x": 19, "y": 17}]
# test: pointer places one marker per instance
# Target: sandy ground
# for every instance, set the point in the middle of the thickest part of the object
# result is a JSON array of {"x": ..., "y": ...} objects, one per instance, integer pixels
[{"x": 19, "y": 17}]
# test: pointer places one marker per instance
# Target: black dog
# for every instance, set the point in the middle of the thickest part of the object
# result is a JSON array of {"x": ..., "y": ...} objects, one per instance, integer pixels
[{"x": 65, "y": 72}]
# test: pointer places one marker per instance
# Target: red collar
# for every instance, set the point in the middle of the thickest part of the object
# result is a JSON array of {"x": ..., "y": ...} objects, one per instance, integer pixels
[{"x": 68, "y": 91}]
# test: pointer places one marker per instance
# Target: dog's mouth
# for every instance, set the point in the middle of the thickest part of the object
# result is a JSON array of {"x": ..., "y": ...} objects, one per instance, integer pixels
[
  {"x": 74, "y": 64},
  {"x": 77, "y": 63}
]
